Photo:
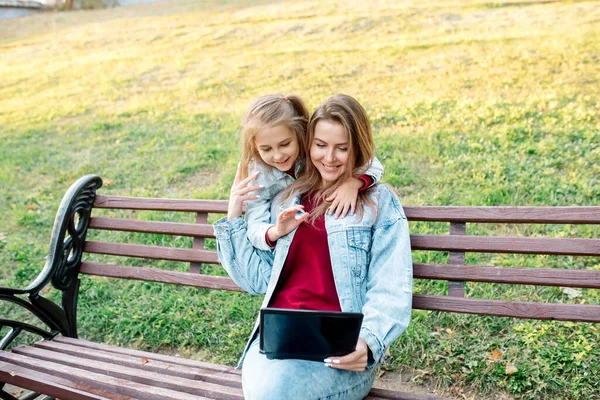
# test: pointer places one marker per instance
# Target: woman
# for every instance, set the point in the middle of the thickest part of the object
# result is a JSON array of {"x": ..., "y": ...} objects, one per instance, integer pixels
[{"x": 361, "y": 263}]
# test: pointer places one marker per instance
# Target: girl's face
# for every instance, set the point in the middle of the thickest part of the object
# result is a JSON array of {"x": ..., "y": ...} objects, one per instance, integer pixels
[
  {"x": 277, "y": 146},
  {"x": 329, "y": 150}
]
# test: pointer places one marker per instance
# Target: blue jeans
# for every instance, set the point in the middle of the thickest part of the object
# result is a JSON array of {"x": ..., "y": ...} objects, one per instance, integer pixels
[{"x": 264, "y": 379}]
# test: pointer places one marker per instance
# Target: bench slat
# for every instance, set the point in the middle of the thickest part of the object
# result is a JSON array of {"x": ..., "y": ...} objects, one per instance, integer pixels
[
  {"x": 159, "y": 275},
  {"x": 159, "y": 227},
  {"x": 154, "y": 252},
  {"x": 145, "y": 354},
  {"x": 202, "y": 374},
  {"x": 476, "y": 244},
  {"x": 516, "y": 309},
  {"x": 141, "y": 203},
  {"x": 532, "y": 215},
  {"x": 503, "y": 244},
  {"x": 384, "y": 394},
  {"x": 135, "y": 374},
  {"x": 537, "y": 215},
  {"x": 105, "y": 382},
  {"x": 526, "y": 276},
  {"x": 52, "y": 385}
]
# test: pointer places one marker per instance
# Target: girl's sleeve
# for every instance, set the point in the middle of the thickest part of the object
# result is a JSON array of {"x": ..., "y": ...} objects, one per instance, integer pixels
[
  {"x": 249, "y": 267},
  {"x": 375, "y": 170},
  {"x": 258, "y": 216},
  {"x": 388, "y": 299},
  {"x": 258, "y": 212}
]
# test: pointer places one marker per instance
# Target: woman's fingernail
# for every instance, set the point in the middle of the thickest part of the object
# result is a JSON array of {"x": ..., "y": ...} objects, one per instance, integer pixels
[
  {"x": 328, "y": 365},
  {"x": 327, "y": 360},
  {"x": 336, "y": 361}
]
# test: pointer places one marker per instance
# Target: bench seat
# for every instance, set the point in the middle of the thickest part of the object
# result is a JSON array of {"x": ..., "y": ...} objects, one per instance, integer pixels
[{"x": 76, "y": 369}]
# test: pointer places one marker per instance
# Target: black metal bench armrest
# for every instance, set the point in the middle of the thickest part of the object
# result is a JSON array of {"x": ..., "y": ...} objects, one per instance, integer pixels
[{"x": 61, "y": 268}]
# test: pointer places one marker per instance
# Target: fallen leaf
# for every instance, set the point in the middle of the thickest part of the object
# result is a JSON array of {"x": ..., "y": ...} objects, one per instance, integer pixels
[
  {"x": 12, "y": 373},
  {"x": 572, "y": 293},
  {"x": 32, "y": 207},
  {"x": 169, "y": 366},
  {"x": 107, "y": 182},
  {"x": 510, "y": 369},
  {"x": 496, "y": 355},
  {"x": 2, "y": 236},
  {"x": 145, "y": 361}
]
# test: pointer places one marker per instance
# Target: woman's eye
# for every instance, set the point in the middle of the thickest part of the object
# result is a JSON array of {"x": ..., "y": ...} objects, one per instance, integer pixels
[
  {"x": 285, "y": 145},
  {"x": 320, "y": 145},
  {"x": 343, "y": 149}
]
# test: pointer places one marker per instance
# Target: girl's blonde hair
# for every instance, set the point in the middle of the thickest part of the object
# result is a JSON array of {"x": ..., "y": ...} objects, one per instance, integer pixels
[
  {"x": 348, "y": 112},
  {"x": 268, "y": 111}
]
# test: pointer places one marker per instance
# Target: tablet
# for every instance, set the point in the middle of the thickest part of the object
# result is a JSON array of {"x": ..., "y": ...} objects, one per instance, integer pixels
[{"x": 308, "y": 334}]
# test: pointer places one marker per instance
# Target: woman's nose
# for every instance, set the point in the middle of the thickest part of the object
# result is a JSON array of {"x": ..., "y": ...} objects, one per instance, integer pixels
[{"x": 330, "y": 156}]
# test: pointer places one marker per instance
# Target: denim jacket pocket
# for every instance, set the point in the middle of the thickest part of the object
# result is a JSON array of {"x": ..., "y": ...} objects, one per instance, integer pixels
[{"x": 359, "y": 246}]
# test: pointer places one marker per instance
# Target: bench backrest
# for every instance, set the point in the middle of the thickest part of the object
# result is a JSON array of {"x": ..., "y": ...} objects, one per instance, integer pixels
[{"x": 455, "y": 243}]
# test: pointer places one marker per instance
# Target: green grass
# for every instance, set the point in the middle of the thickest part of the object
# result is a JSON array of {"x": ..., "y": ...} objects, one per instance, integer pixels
[{"x": 473, "y": 103}]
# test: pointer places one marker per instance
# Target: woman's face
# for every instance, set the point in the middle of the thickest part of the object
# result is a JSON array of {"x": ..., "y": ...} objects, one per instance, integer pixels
[{"x": 330, "y": 150}]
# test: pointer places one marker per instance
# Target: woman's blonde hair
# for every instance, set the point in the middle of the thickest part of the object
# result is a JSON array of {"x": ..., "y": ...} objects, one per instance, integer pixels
[
  {"x": 348, "y": 112},
  {"x": 268, "y": 111}
]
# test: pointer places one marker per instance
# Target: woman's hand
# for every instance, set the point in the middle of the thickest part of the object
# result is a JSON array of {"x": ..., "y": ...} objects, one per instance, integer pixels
[
  {"x": 240, "y": 193},
  {"x": 288, "y": 220},
  {"x": 344, "y": 198},
  {"x": 355, "y": 361}
]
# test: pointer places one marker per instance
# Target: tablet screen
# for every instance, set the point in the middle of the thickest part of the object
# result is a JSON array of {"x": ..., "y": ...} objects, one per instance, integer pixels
[{"x": 308, "y": 334}]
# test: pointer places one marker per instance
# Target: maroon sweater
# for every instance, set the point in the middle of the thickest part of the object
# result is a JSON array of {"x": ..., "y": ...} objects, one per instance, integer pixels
[{"x": 306, "y": 281}]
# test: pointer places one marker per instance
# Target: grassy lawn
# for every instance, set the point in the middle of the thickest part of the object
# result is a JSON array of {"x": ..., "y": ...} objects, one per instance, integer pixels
[{"x": 473, "y": 103}]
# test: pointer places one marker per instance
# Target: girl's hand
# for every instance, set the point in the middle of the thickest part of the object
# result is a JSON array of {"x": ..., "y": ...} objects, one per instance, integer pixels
[
  {"x": 344, "y": 198},
  {"x": 240, "y": 193},
  {"x": 355, "y": 361},
  {"x": 287, "y": 221}
]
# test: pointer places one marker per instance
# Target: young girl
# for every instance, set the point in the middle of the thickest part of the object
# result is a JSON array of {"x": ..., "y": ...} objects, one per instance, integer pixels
[
  {"x": 273, "y": 142},
  {"x": 360, "y": 263}
]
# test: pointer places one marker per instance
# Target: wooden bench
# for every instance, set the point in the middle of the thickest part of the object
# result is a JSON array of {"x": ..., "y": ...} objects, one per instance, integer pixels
[{"x": 65, "y": 367}]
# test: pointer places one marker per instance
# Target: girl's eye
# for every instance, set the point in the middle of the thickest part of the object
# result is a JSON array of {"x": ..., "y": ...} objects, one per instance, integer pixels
[
  {"x": 343, "y": 148},
  {"x": 320, "y": 145},
  {"x": 285, "y": 145},
  {"x": 265, "y": 150}
]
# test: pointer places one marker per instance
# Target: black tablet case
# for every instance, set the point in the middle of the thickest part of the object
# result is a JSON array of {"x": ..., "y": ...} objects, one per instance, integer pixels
[{"x": 307, "y": 334}]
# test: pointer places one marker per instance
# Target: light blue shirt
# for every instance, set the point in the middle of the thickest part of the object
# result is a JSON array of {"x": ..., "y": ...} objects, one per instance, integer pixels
[{"x": 370, "y": 257}]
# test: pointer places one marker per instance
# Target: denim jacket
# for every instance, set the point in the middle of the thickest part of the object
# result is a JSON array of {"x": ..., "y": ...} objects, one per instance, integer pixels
[
  {"x": 370, "y": 258},
  {"x": 274, "y": 181}
]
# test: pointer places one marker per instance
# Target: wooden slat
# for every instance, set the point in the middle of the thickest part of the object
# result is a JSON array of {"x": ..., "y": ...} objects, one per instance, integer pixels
[
  {"x": 141, "y": 203},
  {"x": 52, "y": 385},
  {"x": 144, "y": 354},
  {"x": 376, "y": 394},
  {"x": 159, "y": 275},
  {"x": 154, "y": 252},
  {"x": 515, "y": 309},
  {"x": 532, "y": 215},
  {"x": 526, "y": 276},
  {"x": 502, "y": 244},
  {"x": 457, "y": 288},
  {"x": 104, "y": 382},
  {"x": 202, "y": 374},
  {"x": 538, "y": 215},
  {"x": 198, "y": 243},
  {"x": 136, "y": 374},
  {"x": 159, "y": 227}
]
